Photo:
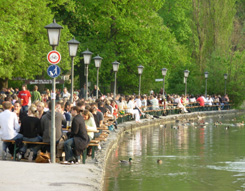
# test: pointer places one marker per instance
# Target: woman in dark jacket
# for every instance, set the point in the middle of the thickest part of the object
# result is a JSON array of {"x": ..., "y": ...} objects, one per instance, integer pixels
[
  {"x": 31, "y": 131},
  {"x": 78, "y": 137}
]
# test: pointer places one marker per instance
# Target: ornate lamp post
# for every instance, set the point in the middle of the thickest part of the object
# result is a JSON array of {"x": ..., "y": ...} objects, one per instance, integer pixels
[
  {"x": 87, "y": 58},
  {"x": 97, "y": 62},
  {"x": 53, "y": 30},
  {"x": 140, "y": 71},
  {"x": 206, "y": 81},
  {"x": 225, "y": 77},
  {"x": 73, "y": 45},
  {"x": 186, "y": 74},
  {"x": 115, "y": 69},
  {"x": 164, "y": 72}
]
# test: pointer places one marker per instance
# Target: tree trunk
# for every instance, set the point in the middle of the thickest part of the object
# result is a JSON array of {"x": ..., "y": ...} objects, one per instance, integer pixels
[{"x": 3, "y": 83}]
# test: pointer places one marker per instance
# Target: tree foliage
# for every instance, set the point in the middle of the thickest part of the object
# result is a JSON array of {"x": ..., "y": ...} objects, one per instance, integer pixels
[{"x": 198, "y": 35}]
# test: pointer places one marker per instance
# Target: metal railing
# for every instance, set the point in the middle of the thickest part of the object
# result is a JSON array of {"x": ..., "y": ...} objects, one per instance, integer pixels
[{"x": 172, "y": 109}]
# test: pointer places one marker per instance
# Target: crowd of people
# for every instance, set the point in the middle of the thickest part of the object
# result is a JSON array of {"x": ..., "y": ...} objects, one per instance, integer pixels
[{"x": 26, "y": 116}]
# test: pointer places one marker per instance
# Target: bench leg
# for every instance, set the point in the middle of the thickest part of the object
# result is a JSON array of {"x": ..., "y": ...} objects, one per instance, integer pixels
[
  {"x": 84, "y": 155},
  {"x": 14, "y": 151},
  {"x": 93, "y": 149}
]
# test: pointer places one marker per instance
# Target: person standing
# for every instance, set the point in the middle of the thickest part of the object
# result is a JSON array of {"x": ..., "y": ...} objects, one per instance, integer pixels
[
  {"x": 35, "y": 95},
  {"x": 25, "y": 97},
  {"x": 94, "y": 91},
  {"x": 65, "y": 94},
  {"x": 82, "y": 93},
  {"x": 9, "y": 128},
  {"x": 78, "y": 137}
]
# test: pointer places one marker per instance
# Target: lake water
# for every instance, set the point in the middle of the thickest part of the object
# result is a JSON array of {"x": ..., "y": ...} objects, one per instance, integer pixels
[{"x": 199, "y": 156}]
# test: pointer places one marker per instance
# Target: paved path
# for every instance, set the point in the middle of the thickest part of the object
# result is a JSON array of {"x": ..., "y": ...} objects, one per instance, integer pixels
[{"x": 18, "y": 176}]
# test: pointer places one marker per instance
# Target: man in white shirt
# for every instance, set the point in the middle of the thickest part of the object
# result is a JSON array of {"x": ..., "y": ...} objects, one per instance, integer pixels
[
  {"x": 66, "y": 94},
  {"x": 9, "y": 126},
  {"x": 155, "y": 102},
  {"x": 138, "y": 101}
]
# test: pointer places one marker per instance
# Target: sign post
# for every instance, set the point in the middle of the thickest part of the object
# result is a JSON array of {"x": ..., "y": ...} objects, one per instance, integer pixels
[{"x": 53, "y": 71}]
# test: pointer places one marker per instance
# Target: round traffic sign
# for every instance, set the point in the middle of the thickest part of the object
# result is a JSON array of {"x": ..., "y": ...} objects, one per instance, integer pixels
[
  {"x": 53, "y": 71},
  {"x": 54, "y": 57}
]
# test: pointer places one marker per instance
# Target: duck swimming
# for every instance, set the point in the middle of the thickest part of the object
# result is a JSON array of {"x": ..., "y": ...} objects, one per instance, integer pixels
[
  {"x": 159, "y": 161},
  {"x": 126, "y": 162}
]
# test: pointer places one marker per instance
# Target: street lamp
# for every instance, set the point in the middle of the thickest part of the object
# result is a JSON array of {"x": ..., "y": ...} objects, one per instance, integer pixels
[
  {"x": 53, "y": 34},
  {"x": 206, "y": 79},
  {"x": 225, "y": 76},
  {"x": 164, "y": 72},
  {"x": 186, "y": 74},
  {"x": 73, "y": 45},
  {"x": 97, "y": 62},
  {"x": 115, "y": 69},
  {"x": 53, "y": 30},
  {"x": 87, "y": 58},
  {"x": 140, "y": 71}
]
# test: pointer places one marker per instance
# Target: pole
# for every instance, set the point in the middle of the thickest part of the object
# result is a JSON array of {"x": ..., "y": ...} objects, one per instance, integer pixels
[
  {"x": 115, "y": 85},
  {"x": 97, "y": 84},
  {"x": 163, "y": 86},
  {"x": 72, "y": 78},
  {"x": 185, "y": 86},
  {"x": 206, "y": 88},
  {"x": 86, "y": 72},
  {"x": 225, "y": 86},
  {"x": 53, "y": 132},
  {"x": 139, "y": 83}
]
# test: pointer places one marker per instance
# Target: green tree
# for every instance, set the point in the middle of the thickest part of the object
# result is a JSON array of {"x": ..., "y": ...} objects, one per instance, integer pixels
[{"x": 23, "y": 40}]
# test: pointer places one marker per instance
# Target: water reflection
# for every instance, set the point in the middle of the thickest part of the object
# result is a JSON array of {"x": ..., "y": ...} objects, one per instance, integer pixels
[{"x": 198, "y": 155}]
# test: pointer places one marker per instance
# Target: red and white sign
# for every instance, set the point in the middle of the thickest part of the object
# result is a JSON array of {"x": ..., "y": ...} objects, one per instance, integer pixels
[{"x": 54, "y": 57}]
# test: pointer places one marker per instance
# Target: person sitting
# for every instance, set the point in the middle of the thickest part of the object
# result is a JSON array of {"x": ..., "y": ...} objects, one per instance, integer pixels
[
  {"x": 9, "y": 128},
  {"x": 89, "y": 122},
  {"x": 31, "y": 131},
  {"x": 90, "y": 126},
  {"x": 131, "y": 109},
  {"x": 78, "y": 137},
  {"x": 40, "y": 109},
  {"x": 19, "y": 111},
  {"x": 46, "y": 126},
  {"x": 180, "y": 105},
  {"x": 201, "y": 101},
  {"x": 155, "y": 103}
]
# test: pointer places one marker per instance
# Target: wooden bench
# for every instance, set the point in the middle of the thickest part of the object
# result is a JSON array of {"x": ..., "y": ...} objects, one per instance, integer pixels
[
  {"x": 93, "y": 144},
  {"x": 24, "y": 142}
]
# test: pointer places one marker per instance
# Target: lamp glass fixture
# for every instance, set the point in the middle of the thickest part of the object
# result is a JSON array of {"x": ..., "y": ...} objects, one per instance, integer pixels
[
  {"x": 53, "y": 30},
  {"x": 97, "y": 61},
  {"x": 225, "y": 76},
  {"x": 186, "y": 73},
  {"x": 164, "y": 71},
  {"x": 140, "y": 69},
  {"x": 206, "y": 74},
  {"x": 87, "y": 56},
  {"x": 115, "y": 66}
]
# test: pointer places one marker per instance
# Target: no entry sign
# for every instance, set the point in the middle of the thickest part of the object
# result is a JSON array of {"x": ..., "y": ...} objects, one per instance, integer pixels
[{"x": 53, "y": 57}]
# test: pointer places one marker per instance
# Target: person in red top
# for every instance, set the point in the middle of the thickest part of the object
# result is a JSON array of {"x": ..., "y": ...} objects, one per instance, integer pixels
[
  {"x": 24, "y": 96},
  {"x": 200, "y": 100}
]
